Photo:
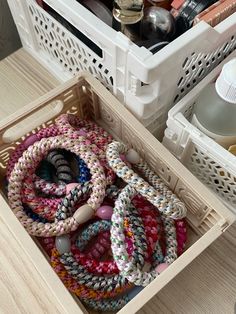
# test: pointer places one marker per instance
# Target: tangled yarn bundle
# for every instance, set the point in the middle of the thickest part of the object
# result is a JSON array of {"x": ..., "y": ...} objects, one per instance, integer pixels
[{"x": 108, "y": 223}]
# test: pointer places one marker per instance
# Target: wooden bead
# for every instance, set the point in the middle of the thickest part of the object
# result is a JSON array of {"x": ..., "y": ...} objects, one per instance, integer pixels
[
  {"x": 83, "y": 214},
  {"x": 132, "y": 156}
]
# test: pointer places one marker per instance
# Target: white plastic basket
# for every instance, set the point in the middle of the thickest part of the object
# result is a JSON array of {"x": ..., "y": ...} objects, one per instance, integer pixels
[
  {"x": 210, "y": 162},
  {"x": 148, "y": 84}
]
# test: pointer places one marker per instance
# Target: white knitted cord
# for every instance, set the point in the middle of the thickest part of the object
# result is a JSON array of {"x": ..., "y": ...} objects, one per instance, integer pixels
[{"x": 160, "y": 196}]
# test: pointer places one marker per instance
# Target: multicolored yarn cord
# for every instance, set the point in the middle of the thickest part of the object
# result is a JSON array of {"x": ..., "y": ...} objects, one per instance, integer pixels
[
  {"x": 79, "y": 272},
  {"x": 63, "y": 178},
  {"x": 96, "y": 137},
  {"x": 94, "y": 266},
  {"x": 54, "y": 208},
  {"x": 92, "y": 298},
  {"x": 126, "y": 265},
  {"x": 161, "y": 196},
  {"x": 85, "y": 131},
  {"x": 73, "y": 260},
  {"x": 26, "y": 165}
]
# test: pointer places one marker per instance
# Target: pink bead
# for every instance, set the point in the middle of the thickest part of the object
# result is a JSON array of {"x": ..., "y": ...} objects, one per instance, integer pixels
[
  {"x": 70, "y": 187},
  {"x": 161, "y": 267},
  {"x": 104, "y": 212},
  {"x": 122, "y": 157},
  {"x": 30, "y": 140},
  {"x": 82, "y": 132}
]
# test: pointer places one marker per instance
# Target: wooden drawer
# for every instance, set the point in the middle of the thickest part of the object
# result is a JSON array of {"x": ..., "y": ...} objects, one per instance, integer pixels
[{"x": 85, "y": 96}]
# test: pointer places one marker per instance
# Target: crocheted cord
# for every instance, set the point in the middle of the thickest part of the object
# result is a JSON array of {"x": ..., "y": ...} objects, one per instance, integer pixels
[
  {"x": 91, "y": 134},
  {"x": 161, "y": 196},
  {"x": 95, "y": 136},
  {"x": 26, "y": 165},
  {"x": 89, "y": 296},
  {"x": 57, "y": 208},
  {"x": 81, "y": 274},
  {"x": 124, "y": 263}
]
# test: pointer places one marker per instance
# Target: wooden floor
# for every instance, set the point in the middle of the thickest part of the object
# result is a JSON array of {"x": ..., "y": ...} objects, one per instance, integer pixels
[
  {"x": 22, "y": 80},
  {"x": 207, "y": 285}
]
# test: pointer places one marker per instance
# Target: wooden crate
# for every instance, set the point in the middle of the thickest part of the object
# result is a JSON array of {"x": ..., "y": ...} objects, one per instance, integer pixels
[{"x": 87, "y": 98}]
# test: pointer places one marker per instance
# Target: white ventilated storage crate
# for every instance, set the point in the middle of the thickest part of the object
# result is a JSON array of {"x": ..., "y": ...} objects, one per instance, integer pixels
[
  {"x": 209, "y": 161},
  {"x": 148, "y": 84},
  {"x": 207, "y": 217}
]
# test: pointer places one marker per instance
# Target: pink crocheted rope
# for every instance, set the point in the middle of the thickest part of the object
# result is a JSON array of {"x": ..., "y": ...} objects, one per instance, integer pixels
[
  {"x": 17, "y": 153},
  {"x": 95, "y": 136},
  {"x": 45, "y": 207},
  {"x": 71, "y": 126},
  {"x": 27, "y": 164}
]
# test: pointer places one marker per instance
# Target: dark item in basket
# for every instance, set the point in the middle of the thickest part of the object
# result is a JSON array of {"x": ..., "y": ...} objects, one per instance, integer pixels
[
  {"x": 157, "y": 23},
  {"x": 185, "y": 15},
  {"x": 99, "y": 9},
  {"x": 153, "y": 45},
  {"x": 72, "y": 29},
  {"x": 132, "y": 31},
  {"x": 166, "y": 4}
]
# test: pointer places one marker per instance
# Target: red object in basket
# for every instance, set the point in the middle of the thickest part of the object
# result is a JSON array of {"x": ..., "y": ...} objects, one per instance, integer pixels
[{"x": 40, "y": 2}]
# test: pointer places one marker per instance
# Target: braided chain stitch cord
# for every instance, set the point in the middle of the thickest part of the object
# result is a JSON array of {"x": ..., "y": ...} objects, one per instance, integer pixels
[
  {"x": 26, "y": 165},
  {"x": 126, "y": 266},
  {"x": 160, "y": 196}
]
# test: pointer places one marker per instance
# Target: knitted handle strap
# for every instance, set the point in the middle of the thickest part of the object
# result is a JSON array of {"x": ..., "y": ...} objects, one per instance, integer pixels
[{"x": 160, "y": 196}]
